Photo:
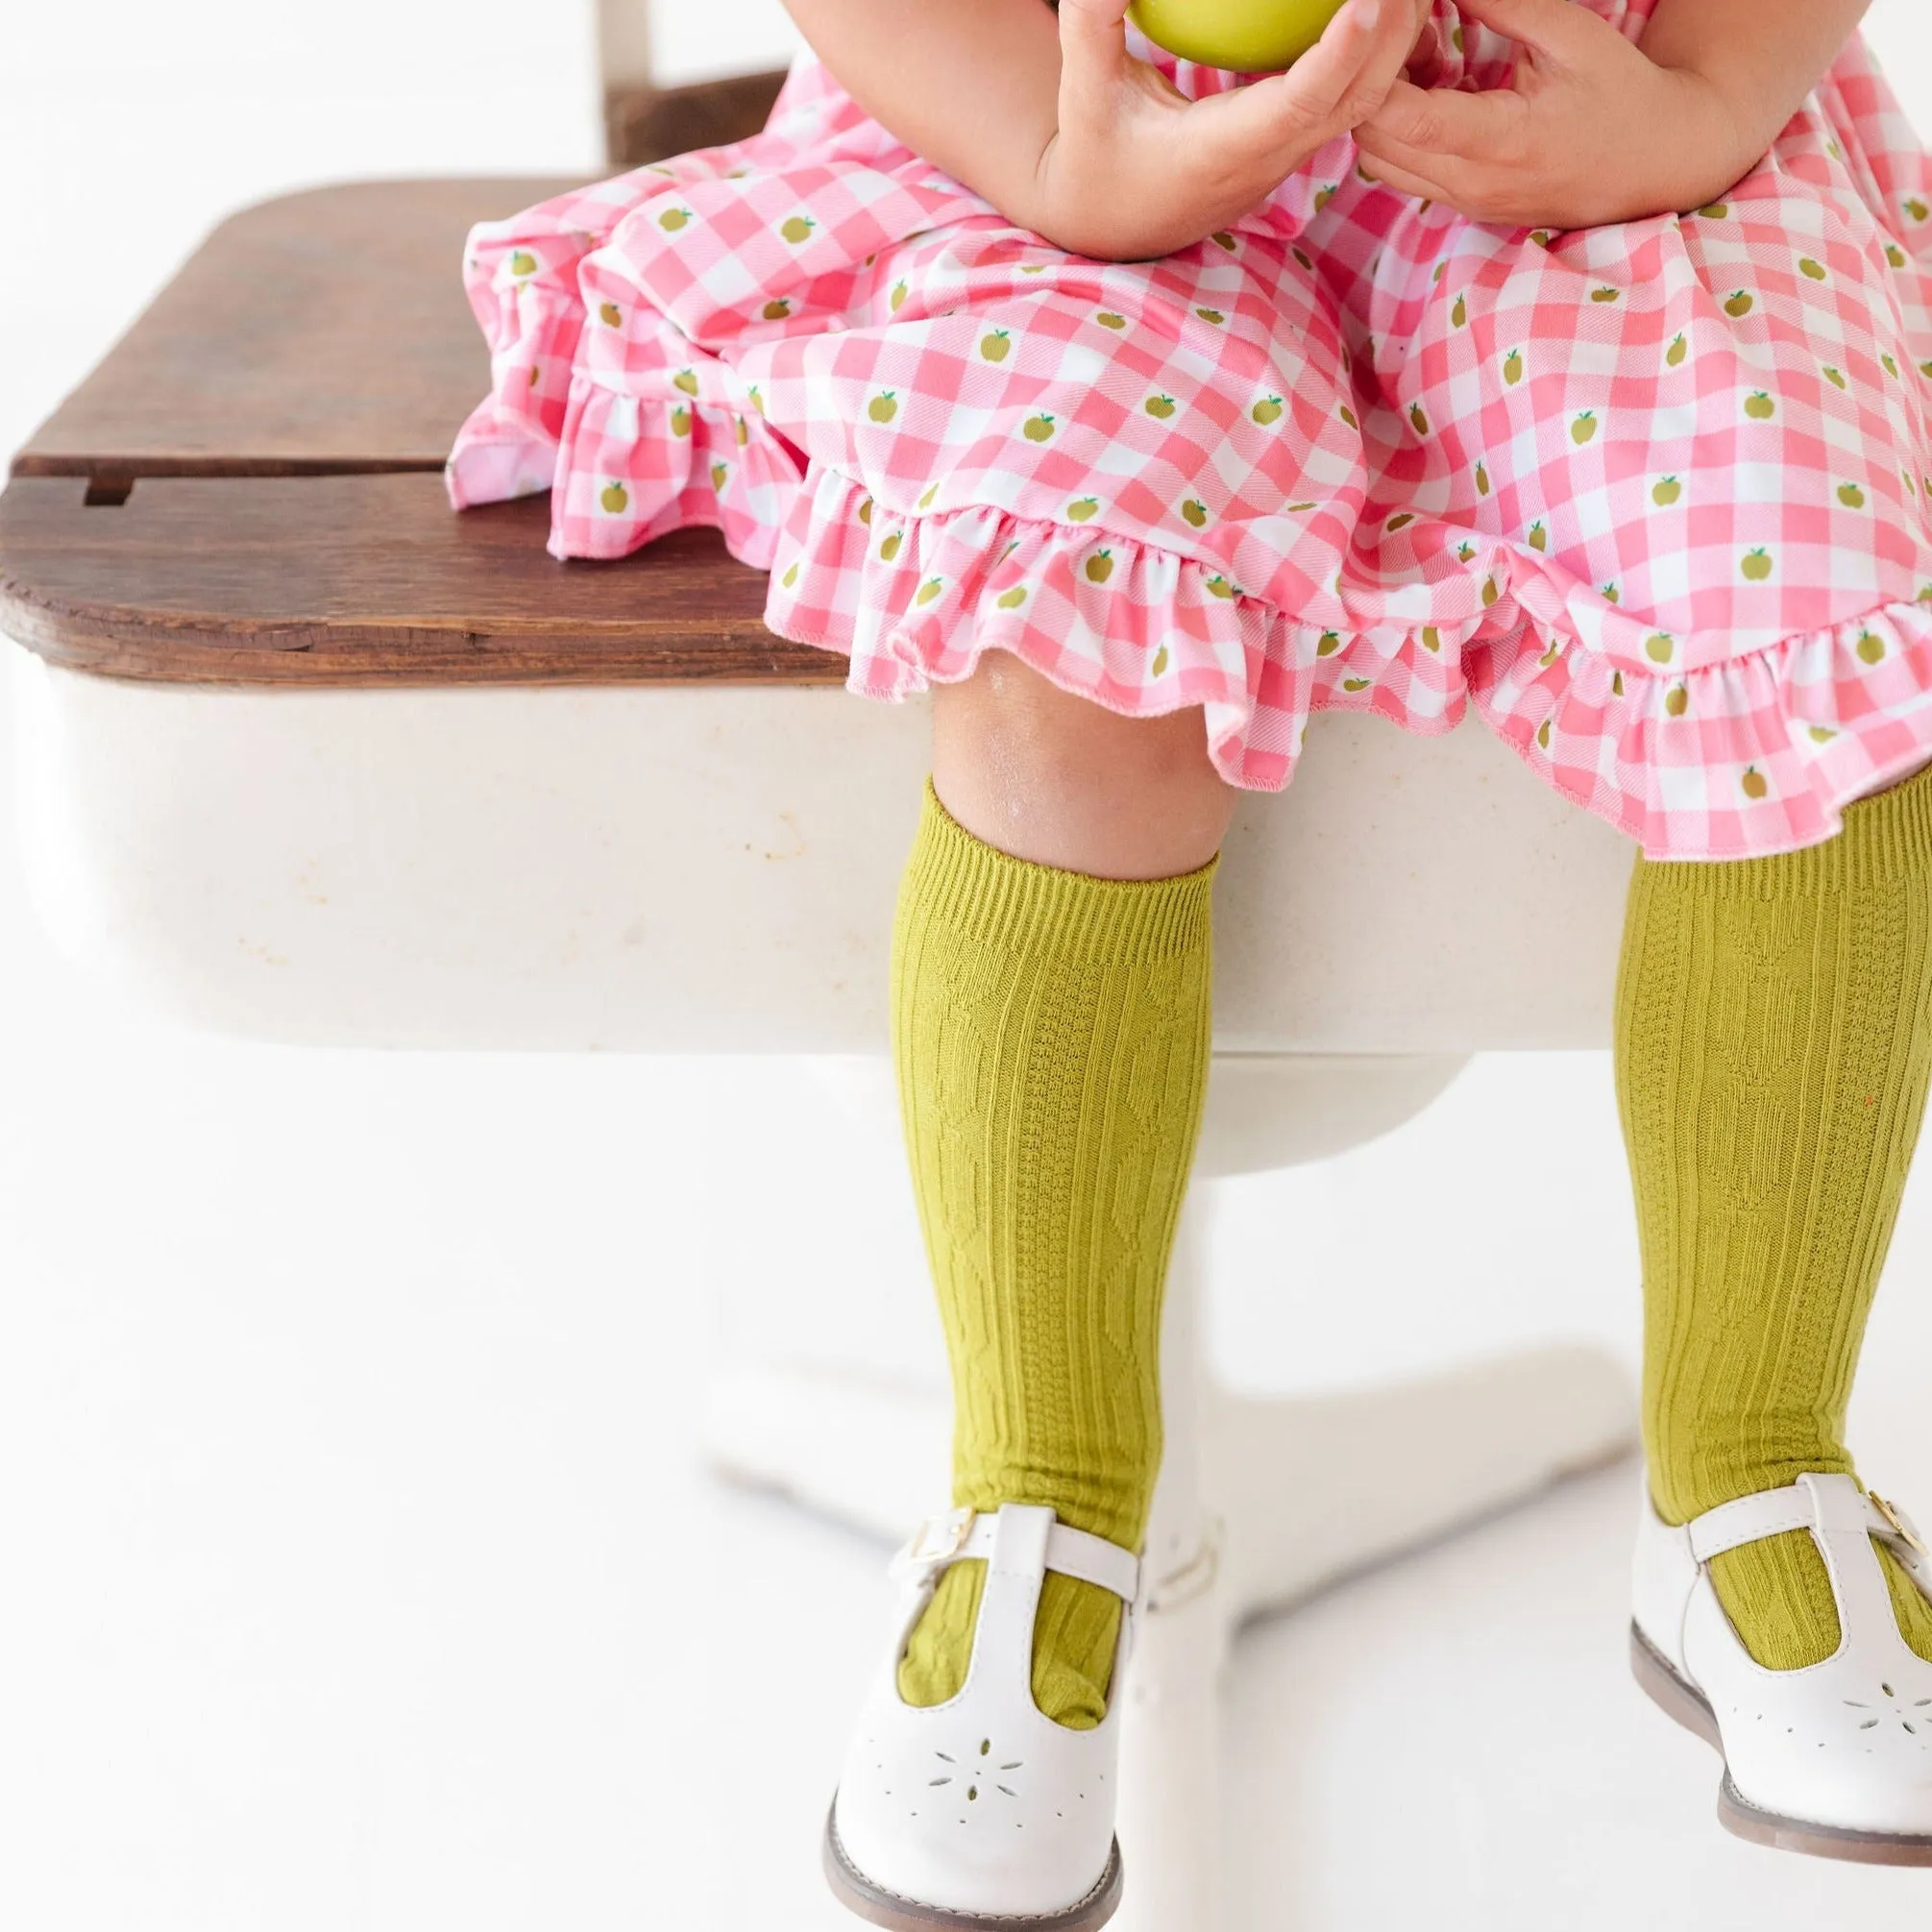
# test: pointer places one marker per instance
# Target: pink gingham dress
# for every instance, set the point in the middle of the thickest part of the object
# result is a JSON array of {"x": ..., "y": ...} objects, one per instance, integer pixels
[{"x": 1653, "y": 497}]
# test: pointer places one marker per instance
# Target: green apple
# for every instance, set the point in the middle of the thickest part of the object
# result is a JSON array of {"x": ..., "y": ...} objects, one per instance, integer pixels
[{"x": 1246, "y": 37}]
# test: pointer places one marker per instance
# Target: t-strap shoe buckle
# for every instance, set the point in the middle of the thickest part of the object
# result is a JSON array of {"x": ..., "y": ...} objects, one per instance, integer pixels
[{"x": 1907, "y": 1530}]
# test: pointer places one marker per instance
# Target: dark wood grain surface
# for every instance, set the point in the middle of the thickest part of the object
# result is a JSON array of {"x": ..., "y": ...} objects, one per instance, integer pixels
[
  {"x": 367, "y": 581},
  {"x": 322, "y": 334}
]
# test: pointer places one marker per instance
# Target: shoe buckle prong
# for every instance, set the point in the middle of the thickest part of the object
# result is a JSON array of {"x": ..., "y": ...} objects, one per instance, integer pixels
[
  {"x": 940, "y": 1538},
  {"x": 1907, "y": 1530}
]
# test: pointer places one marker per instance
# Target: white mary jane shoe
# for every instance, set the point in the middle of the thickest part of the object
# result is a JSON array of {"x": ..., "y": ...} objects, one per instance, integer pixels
[
  {"x": 1835, "y": 1759},
  {"x": 982, "y": 1812}
]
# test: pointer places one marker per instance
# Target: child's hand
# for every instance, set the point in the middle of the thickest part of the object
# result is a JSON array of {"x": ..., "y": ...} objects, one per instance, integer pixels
[
  {"x": 1135, "y": 169},
  {"x": 1592, "y": 132}
]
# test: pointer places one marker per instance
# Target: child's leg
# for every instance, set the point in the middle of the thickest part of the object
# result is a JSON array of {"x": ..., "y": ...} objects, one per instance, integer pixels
[
  {"x": 1050, "y": 985},
  {"x": 1773, "y": 1042}
]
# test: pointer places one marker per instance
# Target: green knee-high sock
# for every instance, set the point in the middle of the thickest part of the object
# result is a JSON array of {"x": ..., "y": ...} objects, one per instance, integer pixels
[
  {"x": 1773, "y": 1042},
  {"x": 1051, "y": 1032}
]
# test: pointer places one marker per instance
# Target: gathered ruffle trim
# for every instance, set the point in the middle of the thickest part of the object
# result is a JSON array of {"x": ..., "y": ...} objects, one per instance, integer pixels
[{"x": 1747, "y": 757}]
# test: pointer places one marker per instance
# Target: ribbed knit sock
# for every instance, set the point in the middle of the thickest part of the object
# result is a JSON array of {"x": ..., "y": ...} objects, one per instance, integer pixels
[
  {"x": 1773, "y": 1042},
  {"x": 1051, "y": 1032}
]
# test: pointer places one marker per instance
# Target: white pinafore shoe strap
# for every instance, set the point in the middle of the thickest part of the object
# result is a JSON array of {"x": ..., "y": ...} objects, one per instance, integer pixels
[
  {"x": 982, "y": 1812},
  {"x": 1835, "y": 1758}
]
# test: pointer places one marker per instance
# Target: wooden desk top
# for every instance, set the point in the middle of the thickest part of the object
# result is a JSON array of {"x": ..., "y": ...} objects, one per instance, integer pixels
[{"x": 248, "y": 489}]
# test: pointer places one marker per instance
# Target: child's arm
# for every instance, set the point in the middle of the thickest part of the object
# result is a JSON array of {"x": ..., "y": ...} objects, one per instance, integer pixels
[
  {"x": 1067, "y": 134},
  {"x": 1762, "y": 56},
  {"x": 1596, "y": 130}
]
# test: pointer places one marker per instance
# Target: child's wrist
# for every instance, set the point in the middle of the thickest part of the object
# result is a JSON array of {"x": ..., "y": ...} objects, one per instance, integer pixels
[{"x": 1715, "y": 140}]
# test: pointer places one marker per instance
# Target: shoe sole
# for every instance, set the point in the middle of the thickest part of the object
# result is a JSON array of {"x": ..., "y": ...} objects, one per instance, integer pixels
[
  {"x": 1659, "y": 1680},
  {"x": 879, "y": 1907}
]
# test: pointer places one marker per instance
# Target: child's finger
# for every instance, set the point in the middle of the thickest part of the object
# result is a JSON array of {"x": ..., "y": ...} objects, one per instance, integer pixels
[
  {"x": 1406, "y": 181},
  {"x": 1415, "y": 121},
  {"x": 1341, "y": 76},
  {"x": 1093, "y": 40},
  {"x": 1558, "y": 28}
]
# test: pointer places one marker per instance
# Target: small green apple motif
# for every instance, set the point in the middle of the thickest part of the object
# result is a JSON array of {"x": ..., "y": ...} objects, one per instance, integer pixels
[
  {"x": 1752, "y": 782},
  {"x": 1583, "y": 428},
  {"x": 686, "y": 380},
  {"x": 674, "y": 218},
  {"x": 1161, "y": 407},
  {"x": 1219, "y": 586},
  {"x": 1100, "y": 567},
  {"x": 1267, "y": 410},
  {"x": 1539, "y": 539},
  {"x": 996, "y": 345},
  {"x": 1481, "y": 479},
  {"x": 1330, "y": 643},
  {"x": 1813, "y": 270},
  {"x": 928, "y": 590},
  {"x": 1916, "y": 208},
  {"x": 1159, "y": 668},
  {"x": 777, "y": 309},
  {"x": 1512, "y": 367},
  {"x": 1616, "y": 684},
  {"x": 1715, "y": 210},
  {"x": 1756, "y": 565},
  {"x": 1660, "y": 647},
  {"x": 1673, "y": 356},
  {"x": 609, "y": 314},
  {"x": 1212, "y": 315},
  {"x": 1108, "y": 319},
  {"x": 522, "y": 262},
  {"x": 1081, "y": 508},
  {"x": 883, "y": 407},
  {"x": 1666, "y": 491},
  {"x": 1821, "y": 734},
  {"x": 798, "y": 228},
  {"x": 1459, "y": 315},
  {"x": 925, "y": 502},
  {"x": 1464, "y": 551},
  {"x": 866, "y": 512},
  {"x": 1895, "y": 255},
  {"x": 1490, "y": 591},
  {"x": 1677, "y": 701},
  {"x": 1851, "y": 495},
  {"x": 1348, "y": 416},
  {"x": 1869, "y": 647},
  {"x": 615, "y": 499},
  {"x": 1739, "y": 304},
  {"x": 1611, "y": 594},
  {"x": 718, "y": 472},
  {"x": 1194, "y": 512},
  {"x": 1605, "y": 294},
  {"x": 1418, "y": 419},
  {"x": 896, "y": 301},
  {"x": 1835, "y": 377},
  {"x": 1399, "y": 521},
  {"x": 889, "y": 551},
  {"x": 1891, "y": 367},
  {"x": 1543, "y": 735},
  {"x": 681, "y": 420},
  {"x": 790, "y": 578},
  {"x": 1759, "y": 407},
  {"x": 1354, "y": 684},
  {"x": 1011, "y": 600},
  {"x": 1550, "y": 656},
  {"x": 1038, "y": 429},
  {"x": 1431, "y": 638}
]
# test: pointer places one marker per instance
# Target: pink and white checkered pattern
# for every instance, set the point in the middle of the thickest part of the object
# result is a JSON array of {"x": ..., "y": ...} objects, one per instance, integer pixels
[{"x": 1657, "y": 497}]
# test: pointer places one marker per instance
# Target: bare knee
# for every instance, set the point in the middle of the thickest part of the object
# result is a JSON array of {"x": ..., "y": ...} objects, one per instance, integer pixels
[{"x": 1063, "y": 781}]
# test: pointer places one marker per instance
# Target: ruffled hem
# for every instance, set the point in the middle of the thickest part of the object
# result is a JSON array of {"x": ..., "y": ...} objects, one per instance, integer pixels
[{"x": 1743, "y": 758}]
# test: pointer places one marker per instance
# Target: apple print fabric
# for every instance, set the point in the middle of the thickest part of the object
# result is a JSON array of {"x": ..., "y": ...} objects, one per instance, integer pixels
[{"x": 1654, "y": 498}]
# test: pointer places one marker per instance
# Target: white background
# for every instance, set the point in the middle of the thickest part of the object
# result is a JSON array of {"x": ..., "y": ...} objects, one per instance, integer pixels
[{"x": 357, "y": 1568}]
